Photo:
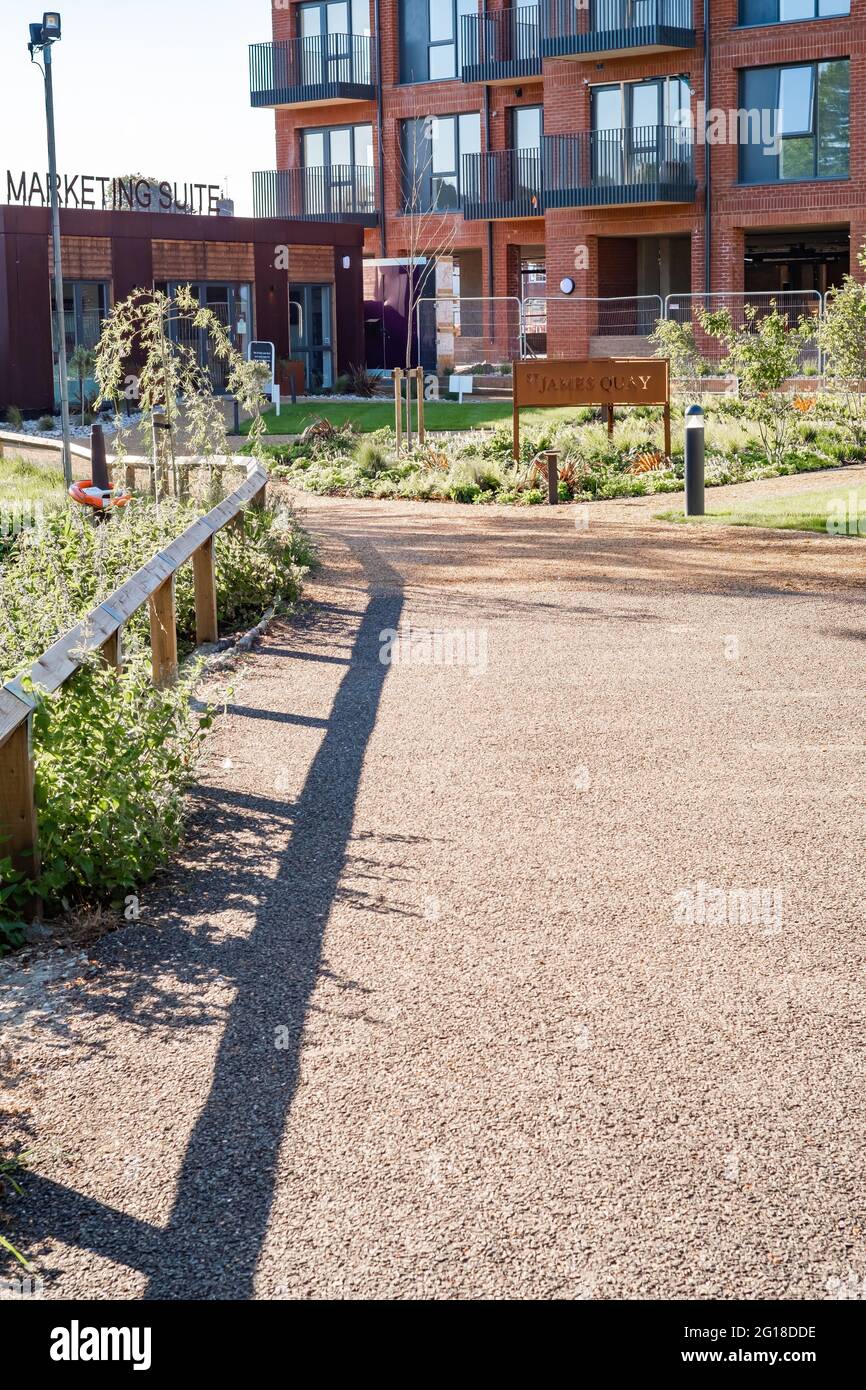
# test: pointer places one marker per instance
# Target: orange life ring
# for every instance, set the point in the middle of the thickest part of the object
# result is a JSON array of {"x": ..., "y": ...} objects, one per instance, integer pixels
[{"x": 89, "y": 496}]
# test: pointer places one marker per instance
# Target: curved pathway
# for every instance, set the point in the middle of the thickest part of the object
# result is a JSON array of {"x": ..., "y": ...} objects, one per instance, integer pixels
[{"x": 453, "y": 992}]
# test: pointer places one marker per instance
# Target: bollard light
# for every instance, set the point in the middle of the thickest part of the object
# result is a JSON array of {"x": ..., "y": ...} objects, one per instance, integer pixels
[{"x": 694, "y": 461}]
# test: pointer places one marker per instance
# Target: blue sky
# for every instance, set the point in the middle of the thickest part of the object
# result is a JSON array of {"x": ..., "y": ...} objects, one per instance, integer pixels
[{"x": 156, "y": 86}]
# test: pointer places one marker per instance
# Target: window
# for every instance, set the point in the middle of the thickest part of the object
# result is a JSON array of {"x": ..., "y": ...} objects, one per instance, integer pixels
[
  {"x": 796, "y": 122},
  {"x": 786, "y": 11},
  {"x": 526, "y": 125},
  {"x": 336, "y": 145},
  {"x": 661, "y": 101},
  {"x": 431, "y": 38},
  {"x": 85, "y": 305},
  {"x": 331, "y": 46},
  {"x": 338, "y": 170},
  {"x": 432, "y": 151}
]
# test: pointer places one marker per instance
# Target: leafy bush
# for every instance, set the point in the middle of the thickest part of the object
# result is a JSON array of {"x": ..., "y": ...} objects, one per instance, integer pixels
[
  {"x": 114, "y": 756},
  {"x": 46, "y": 423}
]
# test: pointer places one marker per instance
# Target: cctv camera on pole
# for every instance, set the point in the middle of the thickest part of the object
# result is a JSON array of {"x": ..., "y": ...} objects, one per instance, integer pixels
[{"x": 42, "y": 37}]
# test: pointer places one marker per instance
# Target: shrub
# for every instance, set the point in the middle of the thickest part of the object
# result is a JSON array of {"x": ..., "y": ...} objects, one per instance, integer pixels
[
  {"x": 113, "y": 756},
  {"x": 14, "y": 419},
  {"x": 46, "y": 423},
  {"x": 361, "y": 382},
  {"x": 370, "y": 458}
]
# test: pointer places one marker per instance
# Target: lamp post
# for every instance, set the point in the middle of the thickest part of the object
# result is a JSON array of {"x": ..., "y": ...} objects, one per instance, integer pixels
[{"x": 42, "y": 37}]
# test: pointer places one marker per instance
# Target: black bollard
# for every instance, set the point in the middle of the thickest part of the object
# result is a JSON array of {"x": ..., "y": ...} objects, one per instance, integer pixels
[
  {"x": 98, "y": 462},
  {"x": 694, "y": 469}
]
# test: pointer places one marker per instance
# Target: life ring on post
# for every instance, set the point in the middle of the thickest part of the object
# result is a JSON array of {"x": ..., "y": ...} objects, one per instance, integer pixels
[{"x": 102, "y": 499}]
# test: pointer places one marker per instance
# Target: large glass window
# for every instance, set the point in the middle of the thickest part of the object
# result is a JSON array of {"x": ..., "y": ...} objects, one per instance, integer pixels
[
  {"x": 796, "y": 122},
  {"x": 85, "y": 305},
  {"x": 660, "y": 101},
  {"x": 338, "y": 170},
  {"x": 431, "y": 38},
  {"x": 432, "y": 151},
  {"x": 786, "y": 11},
  {"x": 327, "y": 31}
]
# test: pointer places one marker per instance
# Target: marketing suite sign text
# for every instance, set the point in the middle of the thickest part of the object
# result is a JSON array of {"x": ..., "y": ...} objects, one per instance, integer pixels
[{"x": 101, "y": 192}]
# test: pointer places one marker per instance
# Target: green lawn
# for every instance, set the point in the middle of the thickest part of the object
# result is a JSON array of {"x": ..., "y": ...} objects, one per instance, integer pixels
[
  {"x": 379, "y": 414},
  {"x": 22, "y": 481},
  {"x": 835, "y": 511}
]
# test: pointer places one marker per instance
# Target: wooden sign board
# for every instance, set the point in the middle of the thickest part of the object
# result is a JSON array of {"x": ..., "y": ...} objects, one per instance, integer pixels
[{"x": 597, "y": 381}]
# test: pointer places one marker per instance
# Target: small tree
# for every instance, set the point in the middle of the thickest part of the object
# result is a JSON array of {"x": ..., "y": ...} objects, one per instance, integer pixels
[
  {"x": 82, "y": 364},
  {"x": 842, "y": 339},
  {"x": 160, "y": 333},
  {"x": 676, "y": 341},
  {"x": 762, "y": 354},
  {"x": 430, "y": 228}
]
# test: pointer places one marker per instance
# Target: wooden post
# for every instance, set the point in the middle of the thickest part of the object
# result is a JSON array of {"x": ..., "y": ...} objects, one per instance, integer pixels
[
  {"x": 112, "y": 650},
  {"x": 163, "y": 634},
  {"x": 259, "y": 499},
  {"x": 515, "y": 432},
  {"x": 552, "y": 477},
  {"x": 398, "y": 406},
  {"x": 18, "y": 801},
  {"x": 610, "y": 422},
  {"x": 204, "y": 576},
  {"x": 667, "y": 418},
  {"x": 130, "y": 477},
  {"x": 419, "y": 377}
]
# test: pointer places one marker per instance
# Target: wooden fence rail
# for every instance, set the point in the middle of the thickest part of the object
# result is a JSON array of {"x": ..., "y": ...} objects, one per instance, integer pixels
[{"x": 101, "y": 630}]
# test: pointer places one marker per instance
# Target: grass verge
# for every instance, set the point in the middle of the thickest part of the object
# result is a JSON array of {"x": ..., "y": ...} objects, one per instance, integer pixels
[{"x": 835, "y": 511}]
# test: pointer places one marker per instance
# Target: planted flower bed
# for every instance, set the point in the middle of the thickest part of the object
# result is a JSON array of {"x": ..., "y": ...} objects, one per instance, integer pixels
[{"x": 477, "y": 467}]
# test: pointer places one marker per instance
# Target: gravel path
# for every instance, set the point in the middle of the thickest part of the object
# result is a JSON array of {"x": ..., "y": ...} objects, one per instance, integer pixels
[{"x": 424, "y": 1010}]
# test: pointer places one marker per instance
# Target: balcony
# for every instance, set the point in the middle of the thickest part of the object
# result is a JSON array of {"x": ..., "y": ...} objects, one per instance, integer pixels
[
  {"x": 335, "y": 193},
  {"x": 603, "y": 168},
  {"x": 307, "y": 72},
  {"x": 501, "y": 47},
  {"x": 502, "y": 184},
  {"x": 615, "y": 28}
]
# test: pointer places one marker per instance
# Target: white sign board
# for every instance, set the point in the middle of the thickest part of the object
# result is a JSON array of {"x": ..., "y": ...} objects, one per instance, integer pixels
[
  {"x": 267, "y": 353},
  {"x": 461, "y": 386}
]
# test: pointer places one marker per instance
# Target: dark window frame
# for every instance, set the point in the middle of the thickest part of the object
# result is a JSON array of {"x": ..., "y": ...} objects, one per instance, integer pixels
[
  {"x": 427, "y": 203},
  {"x": 745, "y": 23},
  {"x": 815, "y": 133}
]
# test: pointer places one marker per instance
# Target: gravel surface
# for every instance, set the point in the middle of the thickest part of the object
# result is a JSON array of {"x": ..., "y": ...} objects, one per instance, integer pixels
[{"x": 434, "y": 1005}]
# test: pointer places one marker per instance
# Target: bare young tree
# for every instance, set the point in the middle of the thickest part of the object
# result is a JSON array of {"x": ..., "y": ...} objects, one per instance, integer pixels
[{"x": 431, "y": 206}]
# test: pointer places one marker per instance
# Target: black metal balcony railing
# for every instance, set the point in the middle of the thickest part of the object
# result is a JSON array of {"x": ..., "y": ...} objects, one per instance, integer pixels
[
  {"x": 328, "y": 67},
  {"x": 333, "y": 193},
  {"x": 650, "y": 164},
  {"x": 608, "y": 27},
  {"x": 501, "y": 47},
  {"x": 503, "y": 183}
]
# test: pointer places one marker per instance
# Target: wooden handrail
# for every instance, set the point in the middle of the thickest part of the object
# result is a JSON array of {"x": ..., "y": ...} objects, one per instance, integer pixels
[{"x": 98, "y": 631}]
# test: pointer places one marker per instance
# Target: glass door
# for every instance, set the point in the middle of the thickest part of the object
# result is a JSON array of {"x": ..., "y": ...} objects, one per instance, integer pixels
[{"x": 311, "y": 333}]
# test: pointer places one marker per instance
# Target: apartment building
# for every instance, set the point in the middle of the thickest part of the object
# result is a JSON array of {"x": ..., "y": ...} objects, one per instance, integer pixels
[{"x": 594, "y": 157}]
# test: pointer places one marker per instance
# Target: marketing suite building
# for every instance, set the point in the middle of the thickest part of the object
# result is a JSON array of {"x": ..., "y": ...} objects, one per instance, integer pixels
[
  {"x": 254, "y": 273},
  {"x": 563, "y": 151}
]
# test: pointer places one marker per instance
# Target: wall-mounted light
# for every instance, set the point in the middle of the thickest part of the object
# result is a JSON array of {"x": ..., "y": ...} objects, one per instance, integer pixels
[
  {"x": 567, "y": 285},
  {"x": 347, "y": 262}
]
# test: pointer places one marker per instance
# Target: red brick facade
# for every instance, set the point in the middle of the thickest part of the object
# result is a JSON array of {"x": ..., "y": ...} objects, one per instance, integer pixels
[{"x": 577, "y": 240}]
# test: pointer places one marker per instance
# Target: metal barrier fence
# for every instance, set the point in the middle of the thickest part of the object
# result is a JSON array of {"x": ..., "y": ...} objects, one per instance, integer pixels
[
  {"x": 453, "y": 332},
  {"x": 613, "y": 326},
  {"x": 792, "y": 304}
]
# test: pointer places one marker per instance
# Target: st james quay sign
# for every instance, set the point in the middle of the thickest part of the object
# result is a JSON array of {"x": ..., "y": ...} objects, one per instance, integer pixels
[{"x": 113, "y": 194}]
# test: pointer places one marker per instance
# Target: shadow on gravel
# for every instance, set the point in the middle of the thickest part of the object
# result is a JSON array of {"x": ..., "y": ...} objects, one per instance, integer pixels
[{"x": 225, "y": 1187}]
